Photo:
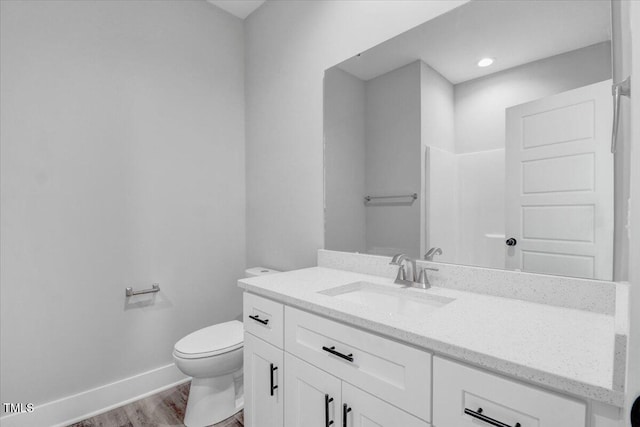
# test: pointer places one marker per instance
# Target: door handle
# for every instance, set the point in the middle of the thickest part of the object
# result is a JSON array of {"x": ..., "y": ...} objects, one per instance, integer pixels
[
  {"x": 327, "y": 400},
  {"x": 617, "y": 90},
  {"x": 272, "y": 386},
  {"x": 345, "y": 411},
  {"x": 333, "y": 351},
  {"x": 511, "y": 241},
  {"x": 479, "y": 415},
  {"x": 259, "y": 320}
]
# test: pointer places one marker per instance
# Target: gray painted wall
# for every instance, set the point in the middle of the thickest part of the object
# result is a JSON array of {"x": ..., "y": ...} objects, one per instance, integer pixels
[
  {"x": 122, "y": 165},
  {"x": 344, "y": 159}
]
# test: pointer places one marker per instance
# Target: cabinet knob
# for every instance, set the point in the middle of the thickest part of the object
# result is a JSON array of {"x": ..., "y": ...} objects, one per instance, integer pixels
[{"x": 635, "y": 413}]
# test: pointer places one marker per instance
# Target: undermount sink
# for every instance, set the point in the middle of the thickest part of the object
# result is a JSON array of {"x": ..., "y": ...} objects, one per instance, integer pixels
[{"x": 388, "y": 299}]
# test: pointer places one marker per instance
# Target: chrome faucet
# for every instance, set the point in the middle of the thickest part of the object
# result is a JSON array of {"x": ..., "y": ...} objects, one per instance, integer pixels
[
  {"x": 431, "y": 253},
  {"x": 401, "y": 277},
  {"x": 416, "y": 279}
]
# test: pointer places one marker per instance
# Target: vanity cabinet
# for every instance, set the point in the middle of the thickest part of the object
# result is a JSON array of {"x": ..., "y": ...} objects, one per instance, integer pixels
[
  {"x": 304, "y": 370},
  {"x": 316, "y": 398}
]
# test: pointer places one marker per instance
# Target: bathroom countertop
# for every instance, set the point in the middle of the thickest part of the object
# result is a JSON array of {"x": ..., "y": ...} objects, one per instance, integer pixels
[{"x": 564, "y": 349}]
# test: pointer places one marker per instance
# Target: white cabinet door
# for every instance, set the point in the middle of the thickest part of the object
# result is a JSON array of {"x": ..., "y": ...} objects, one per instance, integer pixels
[
  {"x": 361, "y": 409},
  {"x": 559, "y": 194},
  {"x": 313, "y": 396},
  {"x": 264, "y": 392}
]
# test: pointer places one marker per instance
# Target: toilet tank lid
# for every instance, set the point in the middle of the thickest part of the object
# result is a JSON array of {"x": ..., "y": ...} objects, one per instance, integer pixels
[
  {"x": 212, "y": 339},
  {"x": 259, "y": 271}
]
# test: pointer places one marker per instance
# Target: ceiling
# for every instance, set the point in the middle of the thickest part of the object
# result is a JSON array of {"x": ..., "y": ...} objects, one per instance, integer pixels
[
  {"x": 239, "y": 8},
  {"x": 511, "y": 31}
]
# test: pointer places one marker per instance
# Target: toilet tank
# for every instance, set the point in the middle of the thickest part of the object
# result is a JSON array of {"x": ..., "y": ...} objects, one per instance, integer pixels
[{"x": 259, "y": 271}]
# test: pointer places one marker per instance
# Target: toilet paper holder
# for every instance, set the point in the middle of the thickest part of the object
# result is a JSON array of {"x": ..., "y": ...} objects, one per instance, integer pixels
[{"x": 129, "y": 292}]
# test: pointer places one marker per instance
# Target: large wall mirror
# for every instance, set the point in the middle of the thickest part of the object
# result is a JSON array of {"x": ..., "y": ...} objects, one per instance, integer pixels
[{"x": 484, "y": 133}]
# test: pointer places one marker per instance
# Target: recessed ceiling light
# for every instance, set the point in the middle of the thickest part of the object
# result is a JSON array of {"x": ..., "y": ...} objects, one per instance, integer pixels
[{"x": 485, "y": 62}]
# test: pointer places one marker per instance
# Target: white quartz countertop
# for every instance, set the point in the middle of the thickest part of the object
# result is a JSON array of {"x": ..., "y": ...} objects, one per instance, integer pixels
[{"x": 563, "y": 349}]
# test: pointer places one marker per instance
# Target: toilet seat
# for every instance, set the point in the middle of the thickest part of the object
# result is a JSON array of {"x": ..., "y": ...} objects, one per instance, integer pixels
[{"x": 211, "y": 341}]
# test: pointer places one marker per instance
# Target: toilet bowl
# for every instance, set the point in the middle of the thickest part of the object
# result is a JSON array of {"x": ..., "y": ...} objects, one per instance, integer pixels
[{"x": 213, "y": 357}]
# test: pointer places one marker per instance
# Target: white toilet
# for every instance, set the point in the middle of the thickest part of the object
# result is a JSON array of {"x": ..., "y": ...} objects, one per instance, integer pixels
[{"x": 213, "y": 357}]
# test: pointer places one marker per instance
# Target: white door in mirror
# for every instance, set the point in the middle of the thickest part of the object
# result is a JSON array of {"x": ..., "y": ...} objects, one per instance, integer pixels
[{"x": 559, "y": 175}]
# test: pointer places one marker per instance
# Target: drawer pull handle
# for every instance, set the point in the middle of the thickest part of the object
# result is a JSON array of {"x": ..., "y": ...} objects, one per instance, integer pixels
[
  {"x": 345, "y": 411},
  {"x": 333, "y": 351},
  {"x": 327, "y": 400},
  {"x": 258, "y": 319},
  {"x": 273, "y": 387},
  {"x": 478, "y": 414}
]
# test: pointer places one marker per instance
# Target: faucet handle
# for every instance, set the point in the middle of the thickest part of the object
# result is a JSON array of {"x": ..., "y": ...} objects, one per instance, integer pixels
[
  {"x": 422, "y": 276},
  {"x": 423, "y": 280}
]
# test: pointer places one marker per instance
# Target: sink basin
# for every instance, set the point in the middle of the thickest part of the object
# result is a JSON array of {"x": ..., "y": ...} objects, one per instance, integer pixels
[{"x": 389, "y": 299}]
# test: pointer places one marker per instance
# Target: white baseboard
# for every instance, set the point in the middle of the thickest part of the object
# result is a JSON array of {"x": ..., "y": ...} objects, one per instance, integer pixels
[{"x": 86, "y": 404}]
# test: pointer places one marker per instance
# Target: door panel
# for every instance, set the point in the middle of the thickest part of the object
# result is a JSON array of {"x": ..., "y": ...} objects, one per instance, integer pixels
[{"x": 558, "y": 125}]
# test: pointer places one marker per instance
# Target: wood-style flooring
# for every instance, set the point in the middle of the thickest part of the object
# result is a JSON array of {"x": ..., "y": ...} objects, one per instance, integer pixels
[{"x": 162, "y": 409}]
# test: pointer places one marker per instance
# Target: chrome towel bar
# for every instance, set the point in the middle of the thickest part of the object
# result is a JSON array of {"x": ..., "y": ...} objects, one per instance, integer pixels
[
  {"x": 154, "y": 288},
  {"x": 413, "y": 196}
]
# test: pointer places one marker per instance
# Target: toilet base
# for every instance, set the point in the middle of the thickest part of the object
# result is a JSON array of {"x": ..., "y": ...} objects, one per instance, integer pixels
[{"x": 212, "y": 400}]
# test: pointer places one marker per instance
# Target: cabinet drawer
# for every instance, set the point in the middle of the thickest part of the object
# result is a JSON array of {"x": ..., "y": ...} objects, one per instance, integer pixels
[
  {"x": 263, "y": 318},
  {"x": 462, "y": 396},
  {"x": 397, "y": 373}
]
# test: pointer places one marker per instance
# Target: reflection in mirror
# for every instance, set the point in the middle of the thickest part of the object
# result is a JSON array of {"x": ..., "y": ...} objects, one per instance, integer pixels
[{"x": 509, "y": 162}]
